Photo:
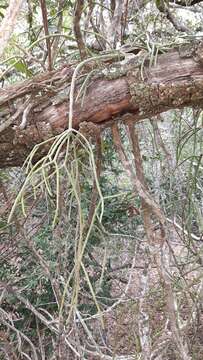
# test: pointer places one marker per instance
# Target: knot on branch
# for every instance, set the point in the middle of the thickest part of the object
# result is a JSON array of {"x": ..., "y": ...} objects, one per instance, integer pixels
[{"x": 90, "y": 130}]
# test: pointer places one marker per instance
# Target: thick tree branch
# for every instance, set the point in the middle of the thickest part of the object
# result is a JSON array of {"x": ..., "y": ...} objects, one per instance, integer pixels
[{"x": 174, "y": 82}]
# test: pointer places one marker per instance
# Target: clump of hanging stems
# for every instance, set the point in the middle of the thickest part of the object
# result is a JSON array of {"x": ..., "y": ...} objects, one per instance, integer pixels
[{"x": 60, "y": 162}]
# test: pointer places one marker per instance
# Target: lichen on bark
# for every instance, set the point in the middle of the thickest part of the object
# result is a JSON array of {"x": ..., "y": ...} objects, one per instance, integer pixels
[
  {"x": 152, "y": 97},
  {"x": 143, "y": 94}
]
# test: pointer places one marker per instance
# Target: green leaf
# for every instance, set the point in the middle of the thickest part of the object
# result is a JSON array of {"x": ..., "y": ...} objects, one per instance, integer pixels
[{"x": 21, "y": 67}]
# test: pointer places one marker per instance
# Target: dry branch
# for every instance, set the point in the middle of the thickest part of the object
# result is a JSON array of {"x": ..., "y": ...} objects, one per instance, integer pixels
[{"x": 8, "y": 23}]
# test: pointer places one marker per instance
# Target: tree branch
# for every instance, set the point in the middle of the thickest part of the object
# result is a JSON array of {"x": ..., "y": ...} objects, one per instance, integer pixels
[
  {"x": 174, "y": 82},
  {"x": 185, "y": 2},
  {"x": 8, "y": 23},
  {"x": 77, "y": 30},
  {"x": 46, "y": 32}
]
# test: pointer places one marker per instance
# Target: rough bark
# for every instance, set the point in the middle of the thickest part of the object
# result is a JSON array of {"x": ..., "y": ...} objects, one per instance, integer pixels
[{"x": 173, "y": 83}]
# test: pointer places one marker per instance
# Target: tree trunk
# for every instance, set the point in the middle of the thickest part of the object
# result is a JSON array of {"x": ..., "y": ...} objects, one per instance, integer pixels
[{"x": 37, "y": 109}]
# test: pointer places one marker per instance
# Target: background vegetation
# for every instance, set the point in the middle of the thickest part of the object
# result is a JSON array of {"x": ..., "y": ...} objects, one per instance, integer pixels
[{"x": 101, "y": 239}]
